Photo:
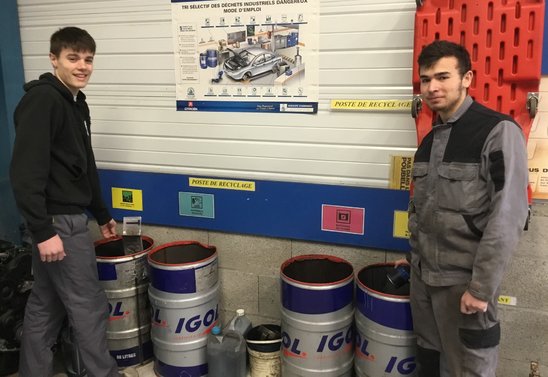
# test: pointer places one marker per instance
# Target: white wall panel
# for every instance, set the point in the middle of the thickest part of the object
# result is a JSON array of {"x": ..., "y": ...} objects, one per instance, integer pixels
[{"x": 365, "y": 52}]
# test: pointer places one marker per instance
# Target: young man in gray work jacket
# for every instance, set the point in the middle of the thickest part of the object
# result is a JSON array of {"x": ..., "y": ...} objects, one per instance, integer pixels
[
  {"x": 466, "y": 215},
  {"x": 55, "y": 180}
]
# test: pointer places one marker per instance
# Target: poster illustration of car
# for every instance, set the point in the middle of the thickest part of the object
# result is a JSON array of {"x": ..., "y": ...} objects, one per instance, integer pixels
[{"x": 246, "y": 56}]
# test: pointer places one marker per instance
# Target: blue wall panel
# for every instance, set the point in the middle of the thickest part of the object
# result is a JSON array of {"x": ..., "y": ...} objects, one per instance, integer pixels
[
  {"x": 276, "y": 209},
  {"x": 11, "y": 90}
]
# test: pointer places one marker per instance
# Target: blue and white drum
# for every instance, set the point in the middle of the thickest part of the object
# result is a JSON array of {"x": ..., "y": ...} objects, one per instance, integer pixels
[
  {"x": 317, "y": 294},
  {"x": 184, "y": 295},
  {"x": 385, "y": 342}
]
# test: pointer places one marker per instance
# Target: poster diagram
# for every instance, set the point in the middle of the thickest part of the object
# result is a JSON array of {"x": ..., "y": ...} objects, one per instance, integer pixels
[{"x": 248, "y": 56}]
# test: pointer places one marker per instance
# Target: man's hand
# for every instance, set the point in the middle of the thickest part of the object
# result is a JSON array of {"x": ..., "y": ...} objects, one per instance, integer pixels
[
  {"x": 52, "y": 250},
  {"x": 108, "y": 230},
  {"x": 401, "y": 262},
  {"x": 471, "y": 305}
]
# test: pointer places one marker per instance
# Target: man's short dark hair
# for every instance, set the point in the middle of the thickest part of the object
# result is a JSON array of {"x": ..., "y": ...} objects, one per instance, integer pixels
[
  {"x": 71, "y": 37},
  {"x": 436, "y": 50}
]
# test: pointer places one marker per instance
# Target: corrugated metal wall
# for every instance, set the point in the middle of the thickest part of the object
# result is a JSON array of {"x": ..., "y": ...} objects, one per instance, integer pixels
[{"x": 365, "y": 52}]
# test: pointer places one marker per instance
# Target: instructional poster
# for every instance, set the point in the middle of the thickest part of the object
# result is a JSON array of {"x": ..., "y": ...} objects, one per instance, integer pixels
[
  {"x": 537, "y": 151},
  {"x": 248, "y": 56}
]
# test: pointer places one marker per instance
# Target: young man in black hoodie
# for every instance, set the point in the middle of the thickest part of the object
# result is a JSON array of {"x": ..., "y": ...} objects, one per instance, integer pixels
[{"x": 55, "y": 181}]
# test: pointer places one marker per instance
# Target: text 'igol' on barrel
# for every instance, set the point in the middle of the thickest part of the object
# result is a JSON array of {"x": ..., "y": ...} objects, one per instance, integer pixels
[
  {"x": 317, "y": 293},
  {"x": 184, "y": 295},
  {"x": 385, "y": 341},
  {"x": 123, "y": 276}
]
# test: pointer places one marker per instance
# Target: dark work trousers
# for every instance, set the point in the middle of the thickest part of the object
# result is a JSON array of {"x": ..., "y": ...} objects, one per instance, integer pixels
[
  {"x": 68, "y": 287},
  {"x": 467, "y": 343}
]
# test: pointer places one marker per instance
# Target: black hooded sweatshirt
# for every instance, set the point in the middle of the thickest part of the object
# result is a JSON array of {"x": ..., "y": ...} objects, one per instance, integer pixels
[{"x": 53, "y": 169}]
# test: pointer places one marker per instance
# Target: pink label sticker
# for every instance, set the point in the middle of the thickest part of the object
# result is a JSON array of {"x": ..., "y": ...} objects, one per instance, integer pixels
[{"x": 343, "y": 219}]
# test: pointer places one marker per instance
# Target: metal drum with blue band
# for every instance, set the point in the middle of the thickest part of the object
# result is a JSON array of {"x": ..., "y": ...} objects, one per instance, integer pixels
[
  {"x": 212, "y": 57},
  {"x": 385, "y": 342},
  {"x": 184, "y": 295},
  {"x": 125, "y": 282},
  {"x": 317, "y": 293}
]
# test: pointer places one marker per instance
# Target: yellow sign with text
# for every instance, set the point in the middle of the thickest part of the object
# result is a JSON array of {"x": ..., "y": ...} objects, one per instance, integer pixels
[
  {"x": 400, "y": 174},
  {"x": 126, "y": 198},
  {"x": 507, "y": 300},
  {"x": 401, "y": 219},
  {"x": 225, "y": 184},
  {"x": 371, "y": 105}
]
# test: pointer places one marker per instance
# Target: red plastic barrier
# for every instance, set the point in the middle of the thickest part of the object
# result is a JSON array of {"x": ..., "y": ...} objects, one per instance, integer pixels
[{"x": 504, "y": 38}]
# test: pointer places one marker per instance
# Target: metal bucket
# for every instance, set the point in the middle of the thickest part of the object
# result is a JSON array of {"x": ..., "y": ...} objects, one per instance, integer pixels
[
  {"x": 183, "y": 293},
  {"x": 317, "y": 294},
  {"x": 263, "y": 347},
  {"x": 385, "y": 342},
  {"x": 124, "y": 279}
]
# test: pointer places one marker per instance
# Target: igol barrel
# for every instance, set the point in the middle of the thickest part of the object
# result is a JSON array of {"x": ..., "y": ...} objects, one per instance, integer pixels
[
  {"x": 317, "y": 294},
  {"x": 183, "y": 293},
  {"x": 124, "y": 279},
  {"x": 385, "y": 342}
]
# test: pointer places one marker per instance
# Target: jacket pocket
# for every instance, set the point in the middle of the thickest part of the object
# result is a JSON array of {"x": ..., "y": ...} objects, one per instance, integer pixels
[
  {"x": 459, "y": 188},
  {"x": 420, "y": 186},
  {"x": 480, "y": 338},
  {"x": 77, "y": 169}
]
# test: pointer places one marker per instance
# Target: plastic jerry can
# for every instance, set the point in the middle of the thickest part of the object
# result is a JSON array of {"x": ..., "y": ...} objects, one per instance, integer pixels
[
  {"x": 226, "y": 354},
  {"x": 240, "y": 323}
]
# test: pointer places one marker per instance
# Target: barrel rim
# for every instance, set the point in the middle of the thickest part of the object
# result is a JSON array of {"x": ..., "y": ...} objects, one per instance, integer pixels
[
  {"x": 121, "y": 257},
  {"x": 374, "y": 292},
  {"x": 316, "y": 256},
  {"x": 273, "y": 341},
  {"x": 182, "y": 243}
]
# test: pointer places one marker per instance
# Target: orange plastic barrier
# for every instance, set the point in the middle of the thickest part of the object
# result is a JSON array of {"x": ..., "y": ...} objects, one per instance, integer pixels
[{"x": 504, "y": 38}]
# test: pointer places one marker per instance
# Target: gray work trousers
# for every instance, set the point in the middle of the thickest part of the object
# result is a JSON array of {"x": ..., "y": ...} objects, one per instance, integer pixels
[
  {"x": 67, "y": 288},
  {"x": 467, "y": 343}
]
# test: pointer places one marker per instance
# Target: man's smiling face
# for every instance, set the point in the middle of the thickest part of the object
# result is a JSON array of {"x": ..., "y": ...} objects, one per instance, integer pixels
[{"x": 73, "y": 68}]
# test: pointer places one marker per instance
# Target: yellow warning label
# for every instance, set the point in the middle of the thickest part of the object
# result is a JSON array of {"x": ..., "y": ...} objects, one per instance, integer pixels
[
  {"x": 507, "y": 300},
  {"x": 400, "y": 224},
  {"x": 400, "y": 174},
  {"x": 225, "y": 184},
  {"x": 126, "y": 198},
  {"x": 371, "y": 105}
]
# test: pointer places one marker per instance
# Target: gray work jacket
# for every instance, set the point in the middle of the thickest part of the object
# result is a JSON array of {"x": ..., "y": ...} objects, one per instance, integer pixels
[{"x": 469, "y": 202}]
